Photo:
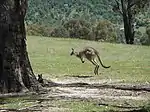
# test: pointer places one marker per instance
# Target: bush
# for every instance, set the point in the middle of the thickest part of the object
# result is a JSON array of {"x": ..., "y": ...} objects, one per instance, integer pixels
[
  {"x": 60, "y": 32},
  {"x": 137, "y": 37},
  {"x": 145, "y": 40},
  {"x": 103, "y": 31},
  {"x": 38, "y": 30},
  {"x": 77, "y": 28}
]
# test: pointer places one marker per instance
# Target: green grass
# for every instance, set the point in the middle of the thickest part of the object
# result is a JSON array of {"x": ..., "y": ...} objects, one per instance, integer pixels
[
  {"x": 15, "y": 103},
  {"x": 52, "y": 56},
  {"x": 85, "y": 106}
]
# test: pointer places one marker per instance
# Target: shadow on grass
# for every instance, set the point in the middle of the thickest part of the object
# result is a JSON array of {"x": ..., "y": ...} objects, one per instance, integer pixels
[
  {"x": 78, "y": 76},
  {"x": 130, "y": 87}
]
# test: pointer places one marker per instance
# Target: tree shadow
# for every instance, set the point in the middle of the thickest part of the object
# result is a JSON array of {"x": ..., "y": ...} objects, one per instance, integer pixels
[
  {"x": 81, "y": 76},
  {"x": 49, "y": 83}
]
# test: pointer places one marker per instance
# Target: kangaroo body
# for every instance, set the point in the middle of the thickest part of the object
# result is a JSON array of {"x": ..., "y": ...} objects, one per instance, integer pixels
[{"x": 90, "y": 54}]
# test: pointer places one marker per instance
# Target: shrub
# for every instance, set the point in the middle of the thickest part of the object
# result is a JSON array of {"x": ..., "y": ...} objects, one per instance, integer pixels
[
  {"x": 38, "y": 30},
  {"x": 103, "y": 31},
  {"x": 137, "y": 37},
  {"x": 59, "y": 32},
  {"x": 145, "y": 40},
  {"x": 77, "y": 28}
]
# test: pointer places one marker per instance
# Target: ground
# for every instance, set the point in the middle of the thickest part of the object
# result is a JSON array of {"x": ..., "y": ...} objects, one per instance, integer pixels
[
  {"x": 76, "y": 88},
  {"x": 80, "y": 94},
  {"x": 80, "y": 90}
]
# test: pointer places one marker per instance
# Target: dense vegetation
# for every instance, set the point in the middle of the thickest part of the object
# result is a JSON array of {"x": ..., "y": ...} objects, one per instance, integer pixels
[
  {"x": 55, "y": 12},
  {"x": 86, "y": 19}
]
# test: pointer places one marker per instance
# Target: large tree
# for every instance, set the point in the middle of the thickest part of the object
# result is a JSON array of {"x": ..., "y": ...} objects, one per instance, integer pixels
[
  {"x": 16, "y": 73},
  {"x": 128, "y": 9}
]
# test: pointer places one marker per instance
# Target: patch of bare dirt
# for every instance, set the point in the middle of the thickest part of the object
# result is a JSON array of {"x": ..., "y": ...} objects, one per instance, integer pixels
[
  {"x": 101, "y": 89},
  {"x": 104, "y": 92},
  {"x": 114, "y": 93}
]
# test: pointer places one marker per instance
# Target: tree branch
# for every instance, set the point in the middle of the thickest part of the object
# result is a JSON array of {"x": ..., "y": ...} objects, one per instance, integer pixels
[
  {"x": 132, "y": 4},
  {"x": 117, "y": 7}
]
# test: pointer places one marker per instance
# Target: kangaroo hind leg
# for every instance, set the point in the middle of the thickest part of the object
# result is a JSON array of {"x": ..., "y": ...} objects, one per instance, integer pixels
[{"x": 96, "y": 67}]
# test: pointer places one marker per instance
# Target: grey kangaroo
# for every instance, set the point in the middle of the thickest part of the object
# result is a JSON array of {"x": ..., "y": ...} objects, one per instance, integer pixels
[{"x": 90, "y": 54}]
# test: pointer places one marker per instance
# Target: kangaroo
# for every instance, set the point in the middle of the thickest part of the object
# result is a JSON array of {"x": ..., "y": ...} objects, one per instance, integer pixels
[
  {"x": 40, "y": 78},
  {"x": 90, "y": 54}
]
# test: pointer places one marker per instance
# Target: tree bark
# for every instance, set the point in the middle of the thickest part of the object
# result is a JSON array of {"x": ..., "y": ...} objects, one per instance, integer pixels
[
  {"x": 128, "y": 22},
  {"x": 16, "y": 73}
]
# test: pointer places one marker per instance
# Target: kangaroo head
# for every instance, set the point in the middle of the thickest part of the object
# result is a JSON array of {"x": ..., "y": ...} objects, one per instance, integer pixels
[
  {"x": 40, "y": 78},
  {"x": 78, "y": 55}
]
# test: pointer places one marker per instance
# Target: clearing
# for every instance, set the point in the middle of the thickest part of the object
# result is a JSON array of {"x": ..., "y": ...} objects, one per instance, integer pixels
[{"x": 123, "y": 87}]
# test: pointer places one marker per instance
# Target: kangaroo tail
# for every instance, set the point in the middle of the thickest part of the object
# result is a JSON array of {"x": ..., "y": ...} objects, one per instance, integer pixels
[{"x": 102, "y": 63}]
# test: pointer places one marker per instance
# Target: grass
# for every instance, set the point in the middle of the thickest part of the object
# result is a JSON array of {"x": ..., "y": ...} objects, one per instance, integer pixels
[
  {"x": 91, "y": 106},
  {"x": 68, "y": 105},
  {"x": 85, "y": 106},
  {"x": 15, "y": 103},
  {"x": 51, "y": 56}
]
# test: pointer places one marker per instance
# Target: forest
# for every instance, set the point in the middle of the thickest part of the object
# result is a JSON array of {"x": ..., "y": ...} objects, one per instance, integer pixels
[
  {"x": 86, "y": 19},
  {"x": 55, "y": 12}
]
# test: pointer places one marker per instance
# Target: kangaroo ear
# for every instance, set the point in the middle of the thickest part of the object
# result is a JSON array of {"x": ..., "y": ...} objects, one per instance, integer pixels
[
  {"x": 39, "y": 75},
  {"x": 72, "y": 49}
]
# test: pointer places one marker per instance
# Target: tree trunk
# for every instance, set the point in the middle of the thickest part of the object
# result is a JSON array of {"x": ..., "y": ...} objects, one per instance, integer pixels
[
  {"x": 128, "y": 22},
  {"x": 16, "y": 73}
]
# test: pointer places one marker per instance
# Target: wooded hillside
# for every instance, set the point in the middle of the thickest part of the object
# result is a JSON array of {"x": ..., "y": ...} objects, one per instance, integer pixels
[
  {"x": 86, "y": 19},
  {"x": 55, "y": 12}
]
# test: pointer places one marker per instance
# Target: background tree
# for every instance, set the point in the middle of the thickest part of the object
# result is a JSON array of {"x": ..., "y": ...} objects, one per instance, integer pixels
[
  {"x": 128, "y": 9},
  {"x": 16, "y": 73},
  {"x": 56, "y": 12}
]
